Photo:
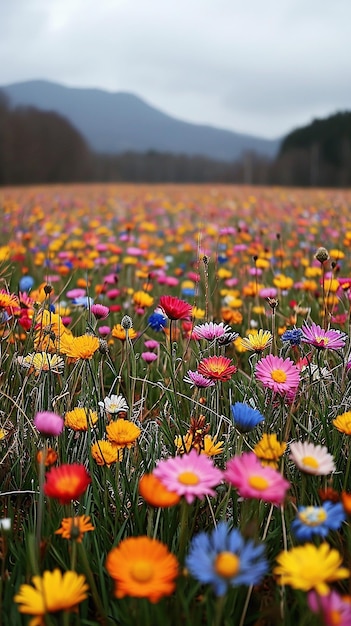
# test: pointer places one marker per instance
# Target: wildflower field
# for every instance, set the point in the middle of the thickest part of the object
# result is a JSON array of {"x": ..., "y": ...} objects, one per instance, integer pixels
[{"x": 175, "y": 406}]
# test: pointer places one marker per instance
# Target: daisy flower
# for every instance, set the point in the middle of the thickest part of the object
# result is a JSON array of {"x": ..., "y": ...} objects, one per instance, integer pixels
[
  {"x": 343, "y": 423},
  {"x": 51, "y": 592},
  {"x": 122, "y": 433},
  {"x": 316, "y": 336},
  {"x": 280, "y": 375},
  {"x": 225, "y": 559},
  {"x": 257, "y": 342},
  {"x": 195, "y": 379},
  {"x": 311, "y": 458},
  {"x": 252, "y": 480},
  {"x": 217, "y": 368},
  {"x": 310, "y": 567},
  {"x": 191, "y": 475},
  {"x": 74, "y": 528},
  {"x": 155, "y": 493},
  {"x": 269, "y": 450},
  {"x": 105, "y": 453},
  {"x": 317, "y": 521},
  {"x": 66, "y": 482},
  {"x": 80, "y": 419},
  {"x": 114, "y": 404},
  {"x": 142, "y": 567},
  {"x": 210, "y": 331}
]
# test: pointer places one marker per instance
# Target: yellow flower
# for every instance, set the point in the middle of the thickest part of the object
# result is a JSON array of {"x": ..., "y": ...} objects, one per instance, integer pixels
[
  {"x": 310, "y": 567},
  {"x": 257, "y": 342},
  {"x": 142, "y": 299},
  {"x": 122, "y": 433},
  {"x": 283, "y": 282},
  {"x": 119, "y": 333},
  {"x": 197, "y": 313},
  {"x": 82, "y": 347},
  {"x": 51, "y": 592},
  {"x": 343, "y": 423},
  {"x": 184, "y": 443},
  {"x": 269, "y": 450},
  {"x": 75, "y": 527},
  {"x": 223, "y": 273},
  {"x": 78, "y": 418},
  {"x": 105, "y": 453},
  {"x": 212, "y": 446},
  {"x": 42, "y": 362}
]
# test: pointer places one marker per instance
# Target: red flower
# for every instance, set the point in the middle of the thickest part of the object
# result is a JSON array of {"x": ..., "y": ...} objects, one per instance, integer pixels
[
  {"x": 217, "y": 368},
  {"x": 174, "y": 308},
  {"x": 66, "y": 482}
]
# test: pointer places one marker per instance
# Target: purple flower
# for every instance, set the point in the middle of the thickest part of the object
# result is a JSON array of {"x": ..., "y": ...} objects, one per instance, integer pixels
[
  {"x": 49, "y": 423},
  {"x": 198, "y": 380},
  {"x": 149, "y": 357},
  {"x": 210, "y": 331},
  {"x": 100, "y": 311},
  {"x": 322, "y": 339}
]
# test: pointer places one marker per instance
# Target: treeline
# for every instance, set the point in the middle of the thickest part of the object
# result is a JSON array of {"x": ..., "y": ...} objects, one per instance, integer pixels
[{"x": 43, "y": 147}]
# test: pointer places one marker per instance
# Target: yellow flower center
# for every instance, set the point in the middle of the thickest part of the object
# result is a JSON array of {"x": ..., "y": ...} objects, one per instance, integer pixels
[
  {"x": 258, "y": 482},
  {"x": 310, "y": 461},
  {"x": 142, "y": 571},
  {"x": 322, "y": 340},
  {"x": 188, "y": 478},
  {"x": 279, "y": 376},
  {"x": 227, "y": 564},
  {"x": 313, "y": 516}
]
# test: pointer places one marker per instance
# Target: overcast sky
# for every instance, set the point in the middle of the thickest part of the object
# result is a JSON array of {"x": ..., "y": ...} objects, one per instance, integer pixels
[{"x": 256, "y": 66}]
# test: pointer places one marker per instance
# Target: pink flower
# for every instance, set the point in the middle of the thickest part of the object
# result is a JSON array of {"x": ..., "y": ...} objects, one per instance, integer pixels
[
  {"x": 100, "y": 311},
  {"x": 104, "y": 330},
  {"x": 217, "y": 368},
  {"x": 280, "y": 375},
  {"x": 195, "y": 379},
  {"x": 322, "y": 339},
  {"x": 49, "y": 423},
  {"x": 253, "y": 480},
  {"x": 149, "y": 357},
  {"x": 333, "y": 608},
  {"x": 210, "y": 331},
  {"x": 151, "y": 344},
  {"x": 191, "y": 475}
]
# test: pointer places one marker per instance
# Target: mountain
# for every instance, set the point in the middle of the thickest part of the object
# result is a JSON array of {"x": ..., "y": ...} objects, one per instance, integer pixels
[{"x": 113, "y": 123}]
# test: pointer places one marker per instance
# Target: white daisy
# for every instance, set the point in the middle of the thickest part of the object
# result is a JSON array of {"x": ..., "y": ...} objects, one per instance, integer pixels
[
  {"x": 312, "y": 459},
  {"x": 114, "y": 404}
]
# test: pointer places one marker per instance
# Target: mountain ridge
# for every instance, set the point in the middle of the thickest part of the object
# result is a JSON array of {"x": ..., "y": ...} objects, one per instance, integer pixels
[{"x": 117, "y": 122}]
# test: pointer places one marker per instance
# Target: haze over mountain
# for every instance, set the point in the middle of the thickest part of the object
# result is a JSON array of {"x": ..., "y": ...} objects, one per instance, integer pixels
[{"x": 114, "y": 123}]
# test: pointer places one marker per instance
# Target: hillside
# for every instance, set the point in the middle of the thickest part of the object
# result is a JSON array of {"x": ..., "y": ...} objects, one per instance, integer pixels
[{"x": 113, "y": 123}]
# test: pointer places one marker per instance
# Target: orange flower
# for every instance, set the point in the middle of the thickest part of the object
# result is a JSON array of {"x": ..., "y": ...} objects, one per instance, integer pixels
[
  {"x": 105, "y": 453},
  {"x": 82, "y": 347},
  {"x": 155, "y": 493},
  {"x": 75, "y": 527},
  {"x": 49, "y": 457},
  {"x": 346, "y": 501},
  {"x": 122, "y": 433},
  {"x": 78, "y": 419},
  {"x": 142, "y": 568},
  {"x": 217, "y": 368}
]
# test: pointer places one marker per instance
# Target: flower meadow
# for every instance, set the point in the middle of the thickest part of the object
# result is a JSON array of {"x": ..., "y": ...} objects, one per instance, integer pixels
[{"x": 175, "y": 406}]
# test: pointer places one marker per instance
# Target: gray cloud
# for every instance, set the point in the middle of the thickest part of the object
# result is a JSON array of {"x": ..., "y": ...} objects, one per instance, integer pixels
[{"x": 259, "y": 67}]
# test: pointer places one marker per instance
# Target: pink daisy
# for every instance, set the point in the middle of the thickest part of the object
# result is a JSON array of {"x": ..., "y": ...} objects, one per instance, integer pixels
[
  {"x": 332, "y": 607},
  {"x": 195, "y": 379},
  {"x": 316, "y": 336},
  {"x": 254, "y": 480},
  {"x": 210, "y": 331},
  {"x": 280, "y": 375},
  {"x": 191, "y": 475}
]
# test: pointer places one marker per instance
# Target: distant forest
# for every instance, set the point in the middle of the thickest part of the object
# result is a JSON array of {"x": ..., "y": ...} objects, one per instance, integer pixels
[{"x": 43, "y": 147}]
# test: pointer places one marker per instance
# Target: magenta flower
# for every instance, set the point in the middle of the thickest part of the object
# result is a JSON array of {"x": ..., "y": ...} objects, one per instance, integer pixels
[
  {"x": 48, "y": 423},
  {"x": 253, "y": 480},
  {"x": 333, "y": 608},
  {"x": 322, "y": 339},
  {"x": 191, "y": 475},
  {"x": 100, "y": 311},
  {"x": 280, "y": 375}
]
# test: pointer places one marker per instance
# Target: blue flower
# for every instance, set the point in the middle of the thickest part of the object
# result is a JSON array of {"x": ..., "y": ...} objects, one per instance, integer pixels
[
  {"x": 157, "y": 321},
  {"x": 245, "y": 417},
  {"x": 225, "y": 559},
  {"x": 312, "y": 521},
  {"x": 26, "y": 283},
  {"x": 84, "y": 301},
  {"x": 293, "y": 336}
]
